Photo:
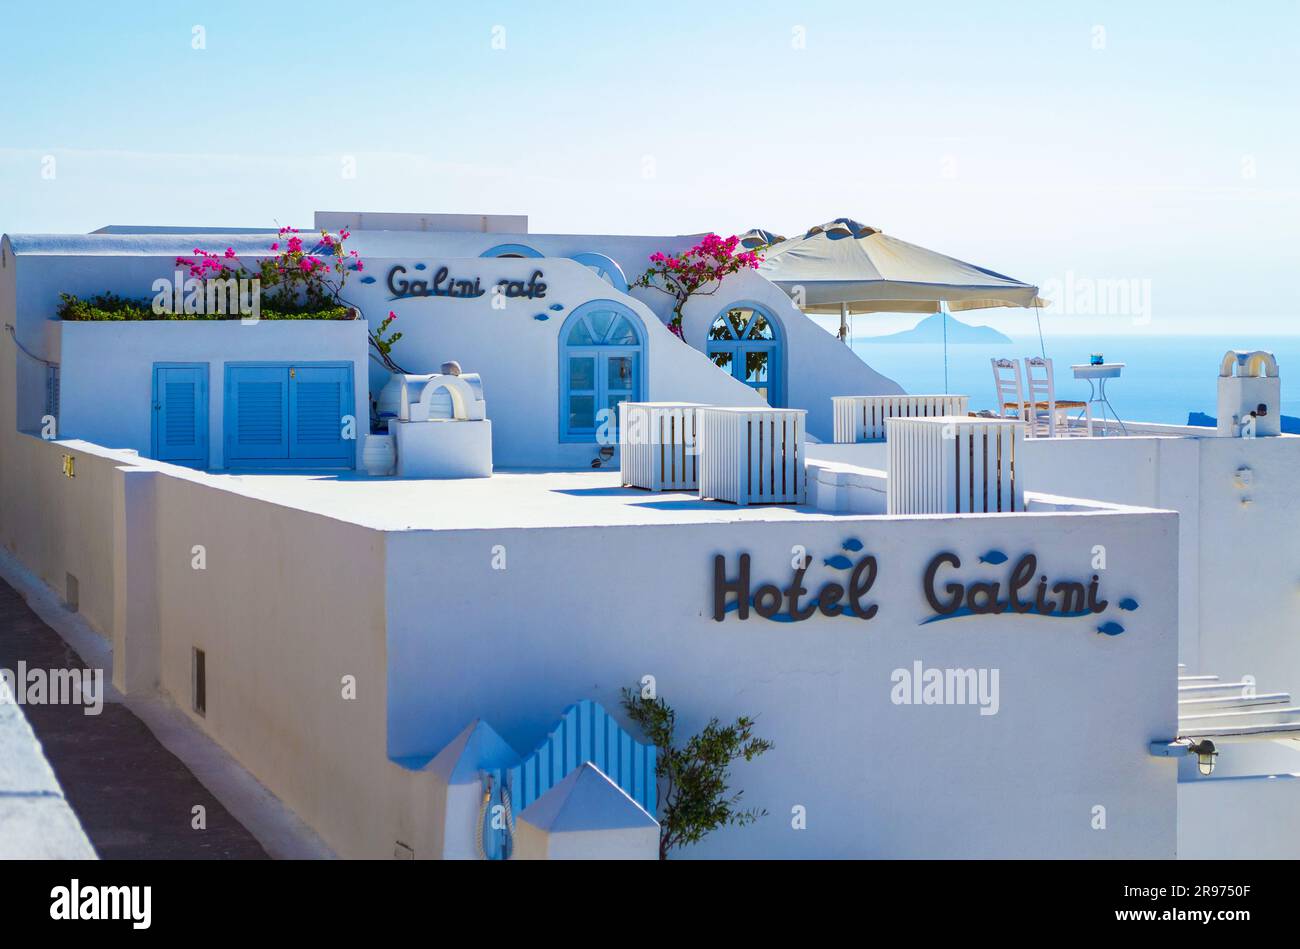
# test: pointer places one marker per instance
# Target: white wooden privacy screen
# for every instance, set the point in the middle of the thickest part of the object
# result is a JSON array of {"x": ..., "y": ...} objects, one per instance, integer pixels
[
  {"x": 658, "y": 445},
  {"x": 955, "y": 465},
  {"x": 750, "y": 456},
  {"x": 861, "y": 418}
]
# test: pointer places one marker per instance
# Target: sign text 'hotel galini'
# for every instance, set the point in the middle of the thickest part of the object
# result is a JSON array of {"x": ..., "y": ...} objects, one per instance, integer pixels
[
  {"x": 443, "y": 284},
  {"x": 1023, "y": 591}
]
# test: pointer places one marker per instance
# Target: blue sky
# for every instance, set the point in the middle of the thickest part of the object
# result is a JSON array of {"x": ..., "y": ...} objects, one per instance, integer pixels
[{"x": 1091, "y": 141}]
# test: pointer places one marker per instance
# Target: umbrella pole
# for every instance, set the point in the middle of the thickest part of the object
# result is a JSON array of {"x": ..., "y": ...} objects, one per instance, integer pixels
[
  {"x": 943, "y": 310},
  {"x": 844, "y": 323}
]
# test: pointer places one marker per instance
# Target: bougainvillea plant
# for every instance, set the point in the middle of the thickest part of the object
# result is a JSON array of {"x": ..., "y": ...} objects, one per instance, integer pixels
[
  {"x": 298, "y": 275},
  {"x": 697, "y": 270}
]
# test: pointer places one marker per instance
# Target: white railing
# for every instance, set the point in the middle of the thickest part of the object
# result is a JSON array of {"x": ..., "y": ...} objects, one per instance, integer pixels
[
  {"x": 955, "y": 465},
  {"x": 659, "y": 445},
  {"x": 750, "y": 456},
  {"x": 861, "y": 418}
]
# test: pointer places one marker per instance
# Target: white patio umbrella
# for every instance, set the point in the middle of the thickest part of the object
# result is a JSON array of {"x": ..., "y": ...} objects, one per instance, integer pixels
[
  {"x": 849, "y": 268},
  {"x": 845, "y": 267},
  {"x": 757, "y": 237}
]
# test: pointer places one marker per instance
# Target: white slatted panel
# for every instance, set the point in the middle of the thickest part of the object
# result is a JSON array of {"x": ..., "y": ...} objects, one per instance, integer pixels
[
  {"x": 955, "y": 465},
  {"x": 862, "y": 418},
  {"x": 659, "y": 445},
  {"x": 752, "y": 456}
]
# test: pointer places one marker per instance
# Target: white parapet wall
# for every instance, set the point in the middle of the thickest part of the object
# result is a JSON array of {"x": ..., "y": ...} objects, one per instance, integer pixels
[{"x": 336, "y": 696}]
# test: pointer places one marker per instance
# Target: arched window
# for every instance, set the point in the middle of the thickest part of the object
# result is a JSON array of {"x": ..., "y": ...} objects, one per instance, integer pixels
[
  {"x": 745, "y": 341},
  {"x": 602, "y": 355},
  {"x": 606, "y": 268},
  {"x": 510, "y": 250}
]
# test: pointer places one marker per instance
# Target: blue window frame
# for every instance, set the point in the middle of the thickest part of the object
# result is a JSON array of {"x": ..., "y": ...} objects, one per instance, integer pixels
[
  {"x": 606, "y": 268},
  {"x": 180, "y": 413},
  {"x": 280, "y": 415},
  {"x": 602, "y": 363},
  {"x": 745, "y": 341},
  {"x": 511, "y": 250}
]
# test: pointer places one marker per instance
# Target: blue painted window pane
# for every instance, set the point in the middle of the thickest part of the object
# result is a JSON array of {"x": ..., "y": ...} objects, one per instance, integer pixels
[
  {"x": 622, "y": 334},
  {"x": 582, "y": 412},
  {"x": 760, "y": 327},
  {"x": 756, "y": 366},
  {"x": 722, "y": 359},
  {"x": 580, "y": 335},
  {"x": 582, "y": 373},
  {"x": 737, "y": 318},
  {"x": 600, "y": 323},
  {"x": 620, "y": 373}
]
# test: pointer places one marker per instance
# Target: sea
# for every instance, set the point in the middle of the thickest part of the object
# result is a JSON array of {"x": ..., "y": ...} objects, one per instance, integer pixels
[{"x": 1164, "y": 377}]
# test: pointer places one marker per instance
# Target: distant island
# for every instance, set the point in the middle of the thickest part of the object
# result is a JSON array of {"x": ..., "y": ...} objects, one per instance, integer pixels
[{"x": 930, "y": 330}]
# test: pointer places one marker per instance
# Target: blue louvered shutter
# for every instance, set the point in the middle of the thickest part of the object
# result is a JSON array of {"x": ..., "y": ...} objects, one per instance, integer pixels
[
  {"x": 257, "y": 413},
  {"x": 180, "y": 414},
  {"x": 319, "y": 399}
]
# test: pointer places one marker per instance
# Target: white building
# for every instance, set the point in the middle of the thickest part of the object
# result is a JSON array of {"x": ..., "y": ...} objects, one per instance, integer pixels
[{"x": 196, "y": 503}]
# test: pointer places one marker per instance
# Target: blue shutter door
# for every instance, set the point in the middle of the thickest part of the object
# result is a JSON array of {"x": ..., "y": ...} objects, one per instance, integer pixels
[
  {"x": 180, "y": 414},
  {"x": 319, "y": 398},
  {"x": 257, "y": 413}
]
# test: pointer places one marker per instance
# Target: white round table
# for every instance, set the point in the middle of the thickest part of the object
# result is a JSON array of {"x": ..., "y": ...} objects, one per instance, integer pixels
[{"x": 1097, "y": 374}]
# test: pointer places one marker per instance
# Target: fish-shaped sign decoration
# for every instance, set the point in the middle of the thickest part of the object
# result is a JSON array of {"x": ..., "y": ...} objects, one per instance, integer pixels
[
  {"x": 1110, "y": 628},
  {"x": 542, "y": 317},
  {"x": 994, "y": 557},
  {"x": 1128, "y": 603},
  {"x": 853, "y": 544},
  {"x": 839, "y": 562}
]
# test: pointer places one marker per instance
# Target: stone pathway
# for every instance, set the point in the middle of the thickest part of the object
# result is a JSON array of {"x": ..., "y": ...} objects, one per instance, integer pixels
[{"x": 134, "y": 798}]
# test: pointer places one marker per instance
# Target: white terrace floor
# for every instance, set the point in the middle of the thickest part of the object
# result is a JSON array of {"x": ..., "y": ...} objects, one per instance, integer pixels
[
  {"x": 517, "y": 499},
  {"x": 528, "y": 499}
]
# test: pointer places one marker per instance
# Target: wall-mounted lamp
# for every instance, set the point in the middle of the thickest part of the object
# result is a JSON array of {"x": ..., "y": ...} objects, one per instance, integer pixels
[
  {"x": 1203, "y": 749},
  {"x": 1205, "y": 754}
]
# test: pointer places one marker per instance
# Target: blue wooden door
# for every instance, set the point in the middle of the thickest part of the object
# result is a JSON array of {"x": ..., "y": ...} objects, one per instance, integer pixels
[
  {"x": 320, "y": 398},
  {"x": 180, "y": 414},
  {"x": 257, "y": 414},
  {"x": 290, "y": 416}
]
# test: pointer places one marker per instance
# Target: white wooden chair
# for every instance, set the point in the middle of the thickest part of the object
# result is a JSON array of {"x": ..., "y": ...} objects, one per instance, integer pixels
[
  {"x": 1046, "y": 415},
  {"x": 1011, "y": 393}
]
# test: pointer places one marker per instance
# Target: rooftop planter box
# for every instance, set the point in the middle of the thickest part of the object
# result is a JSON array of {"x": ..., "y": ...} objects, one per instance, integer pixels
[{"x": 110, "y": 308}]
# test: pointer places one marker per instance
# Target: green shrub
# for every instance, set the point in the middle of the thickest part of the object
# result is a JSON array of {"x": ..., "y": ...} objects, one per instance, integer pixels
[{"x": 109, "y": 307}]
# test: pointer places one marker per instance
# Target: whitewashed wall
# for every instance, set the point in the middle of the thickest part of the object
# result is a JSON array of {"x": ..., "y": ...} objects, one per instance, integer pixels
[
  {"x": 583, "y": 612},
  {"x": 106, "y": 370},
  {"x": 518, "y": 355}
]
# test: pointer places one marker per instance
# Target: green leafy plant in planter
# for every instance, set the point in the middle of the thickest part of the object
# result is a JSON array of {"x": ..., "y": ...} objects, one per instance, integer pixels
[
  {"x": 299, "y": 280},
  {"x": 694, "y": 778},
  {"x": 109, "y": 307}
]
